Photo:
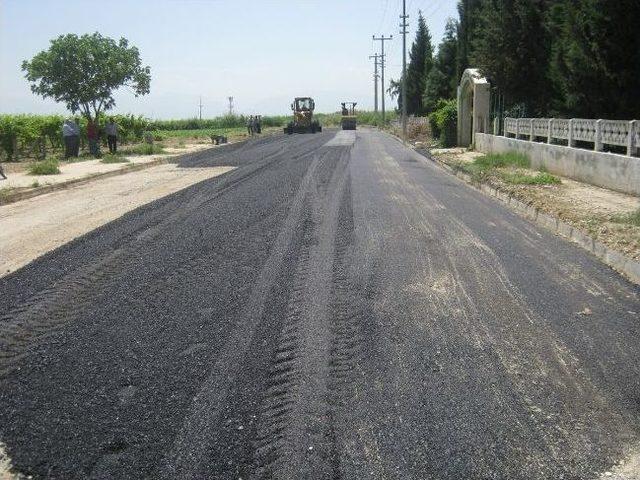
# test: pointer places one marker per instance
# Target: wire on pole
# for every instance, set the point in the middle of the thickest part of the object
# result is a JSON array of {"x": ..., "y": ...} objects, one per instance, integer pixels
[
  {"x": 383, "y": 39},
  {"x": 404, "y": 25},
  {"x": 376, "y": 76}
]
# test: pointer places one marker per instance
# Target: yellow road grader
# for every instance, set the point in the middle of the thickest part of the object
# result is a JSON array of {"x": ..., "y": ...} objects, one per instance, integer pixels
[{"x": 303, "y": 121}]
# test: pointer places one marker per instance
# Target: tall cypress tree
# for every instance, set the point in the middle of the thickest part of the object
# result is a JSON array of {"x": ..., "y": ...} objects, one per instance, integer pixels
[
  {"x": 420, "y": 63},
  {"x": 442, "y": 80},
  {"x": 468, "y": 12},
  {"x": 511, "y": 46},
  {"x": 596, "y": 59}
]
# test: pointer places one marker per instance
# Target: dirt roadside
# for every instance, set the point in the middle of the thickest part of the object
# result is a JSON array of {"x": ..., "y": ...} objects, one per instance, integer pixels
[
  {"x": 596, "y": 211},
  {"x": 32, "y": 227}
]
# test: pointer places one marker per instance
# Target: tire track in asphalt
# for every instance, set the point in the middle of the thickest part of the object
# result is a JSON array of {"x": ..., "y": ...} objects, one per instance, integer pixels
[
  {"x": 128, "y": 270},
  {"x": 190, "y": 447},
  {"x": 45, "y": 313},
  {"x": 295, "y": 431}
]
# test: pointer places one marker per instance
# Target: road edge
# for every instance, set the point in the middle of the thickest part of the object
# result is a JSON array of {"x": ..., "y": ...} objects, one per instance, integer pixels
[
  {"x": 621, "y": 263},
  {"x": 13, "y": 197}
]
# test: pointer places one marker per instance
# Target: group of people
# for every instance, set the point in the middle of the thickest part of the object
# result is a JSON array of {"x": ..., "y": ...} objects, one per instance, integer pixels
[
  {"x": 71, "y": 137},
  {"x": 254, "y": 124}
]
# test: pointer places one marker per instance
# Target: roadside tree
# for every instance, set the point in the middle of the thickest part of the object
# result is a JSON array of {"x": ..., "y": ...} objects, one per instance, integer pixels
[{"x": 84, "y": 72}]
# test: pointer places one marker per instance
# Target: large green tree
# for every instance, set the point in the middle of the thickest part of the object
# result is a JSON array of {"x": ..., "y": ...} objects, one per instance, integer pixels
[
  {"x": 84, "y": 72},
  {"x": 420, "y": 63},
  {"x": 512, "y": 48},
  {"x": 441, "y": 81},
  {"x": 468, "y": 12},
  {"x": 595, "y": 64}
]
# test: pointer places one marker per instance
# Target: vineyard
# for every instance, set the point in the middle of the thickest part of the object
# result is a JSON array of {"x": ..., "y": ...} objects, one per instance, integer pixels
[{"x": 37, "y": 136}]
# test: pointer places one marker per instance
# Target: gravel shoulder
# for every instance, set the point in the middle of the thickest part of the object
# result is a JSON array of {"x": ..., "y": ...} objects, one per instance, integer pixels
[
  {"x": 19, "y": 177},
  {"x": 35, "y": 226}
]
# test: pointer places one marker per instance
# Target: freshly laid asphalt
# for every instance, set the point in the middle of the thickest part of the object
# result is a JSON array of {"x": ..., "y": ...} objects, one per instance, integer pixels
[{"x": 337, "y": 307}]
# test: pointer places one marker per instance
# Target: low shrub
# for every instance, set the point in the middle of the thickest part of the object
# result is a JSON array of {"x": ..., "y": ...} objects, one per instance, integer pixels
[
  {"x": 145, "y": 149},
  {"x": 45, "y": 167},
  {"x": 444, "y": 122},
  {"x": 111, "y": 158},
  {"x": 542, "y": 178},
  {"x": 500, "y": 160},
  {"x": 632, "y": 218},
  {"x": 506, "y": 166}
]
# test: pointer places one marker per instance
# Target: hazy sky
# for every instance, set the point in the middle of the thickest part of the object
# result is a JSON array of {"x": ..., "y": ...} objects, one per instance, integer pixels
[{"x": 261, "y": 52}]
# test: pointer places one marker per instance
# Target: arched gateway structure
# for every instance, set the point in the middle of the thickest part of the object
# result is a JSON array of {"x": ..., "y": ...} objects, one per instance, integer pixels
[{"x": 473, "y": 106}]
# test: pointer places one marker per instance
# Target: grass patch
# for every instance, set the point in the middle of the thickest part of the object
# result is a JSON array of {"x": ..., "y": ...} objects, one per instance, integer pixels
[
  {"x": 505, "y": 166},
  {"x": 203, "y": 133},
  {"x": 111, "y": 158},
  {"x": 145, "y": 149},
  {"x": 45, "y": 167},
  {"x": 35, "y": 184},
  {"x": 632, "y": 218},
  {"x": 542, "y": 178},
  {"x": 502, "y": 160}
]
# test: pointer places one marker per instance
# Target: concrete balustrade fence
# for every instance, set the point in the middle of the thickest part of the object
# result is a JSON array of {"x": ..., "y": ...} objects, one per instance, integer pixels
[{"x": 619, "y": 133}]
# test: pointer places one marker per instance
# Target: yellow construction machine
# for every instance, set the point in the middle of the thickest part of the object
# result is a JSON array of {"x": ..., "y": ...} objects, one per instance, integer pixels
[
  {"x": 349, "y": 118},
  {"x": 303, "y": 121}
]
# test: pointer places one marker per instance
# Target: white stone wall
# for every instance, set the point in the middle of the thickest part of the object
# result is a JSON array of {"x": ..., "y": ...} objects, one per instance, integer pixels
[
  {"x": 603, "y": 169},
  {"x": 600, "y": 132}
]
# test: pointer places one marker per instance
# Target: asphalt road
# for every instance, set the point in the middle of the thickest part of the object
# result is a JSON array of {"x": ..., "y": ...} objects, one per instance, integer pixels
[{"x": 336, "y": 308}]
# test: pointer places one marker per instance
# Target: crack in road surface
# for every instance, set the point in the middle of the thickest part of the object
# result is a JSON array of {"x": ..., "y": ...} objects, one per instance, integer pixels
[{"x": 335, "y": 307}]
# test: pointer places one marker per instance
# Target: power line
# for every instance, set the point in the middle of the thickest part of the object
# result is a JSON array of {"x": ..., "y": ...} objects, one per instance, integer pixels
[
  {"x": 404, "y": 24},
  {"x": 383, "y": 39},
  {"x": 375, "y": 80}
]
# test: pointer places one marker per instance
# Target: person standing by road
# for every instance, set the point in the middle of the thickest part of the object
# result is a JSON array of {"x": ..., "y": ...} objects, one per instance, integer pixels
[
  {"x": 71, "y": 137},
  {"x": 111, "y": 129},
  {"x": 92, "y": 136},
  {"x": 250, "y": 125}
]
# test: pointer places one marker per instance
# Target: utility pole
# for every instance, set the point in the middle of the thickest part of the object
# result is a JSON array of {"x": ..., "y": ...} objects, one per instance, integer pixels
[
  {"x": 382, "y": 40},
  {"x": 403, "y": 26},
  {"x": 375, "y": 80},
  {"x": 200, "y": 105},
  {"x": 230, "y": 106}
]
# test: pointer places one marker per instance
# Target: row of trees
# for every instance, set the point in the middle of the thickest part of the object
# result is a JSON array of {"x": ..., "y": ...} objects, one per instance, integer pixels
[{"x": 578, "y": 58}]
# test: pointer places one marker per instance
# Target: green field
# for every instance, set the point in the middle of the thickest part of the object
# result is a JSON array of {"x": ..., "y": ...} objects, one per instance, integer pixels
[{"x": 200, "y": 133}]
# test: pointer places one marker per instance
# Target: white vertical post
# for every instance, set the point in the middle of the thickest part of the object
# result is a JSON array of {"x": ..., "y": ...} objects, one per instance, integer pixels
[
  {"x": 517, "y": 128},
  {"x": 633, "y": 125},
  {"x": 570, "y": 141},
  {"x": 598, "y": 143},
  {"x": 531, "y": 135},
  {"x": 550, "y": 131}
]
